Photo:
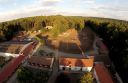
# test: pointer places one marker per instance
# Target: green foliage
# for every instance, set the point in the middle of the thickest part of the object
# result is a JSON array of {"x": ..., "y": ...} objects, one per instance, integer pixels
[
  {"x": 86, "y": 78},
  {"x": 24, "y": 75},
  {"x": 39, "y": 39},
  {"x": 60, "y": 24},
  {"x": 115, "y": 36},
  {"x": 63, "y": 78},
  {"x": 2, "y": 61},
  {"x": 41, "y": 77}
]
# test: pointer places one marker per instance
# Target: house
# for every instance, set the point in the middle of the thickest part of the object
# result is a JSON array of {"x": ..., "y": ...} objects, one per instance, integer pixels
[
  {"x": 40, "y": 62},
  {"x": 49, "y": 27},
  {"x": 101, "y": 73},
  {"x": 76, "y": 64},
  {"x": 39, "y": 31}
]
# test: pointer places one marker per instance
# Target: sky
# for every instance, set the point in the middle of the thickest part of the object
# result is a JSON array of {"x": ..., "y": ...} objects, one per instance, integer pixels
[{"x": 13, "y": 9}]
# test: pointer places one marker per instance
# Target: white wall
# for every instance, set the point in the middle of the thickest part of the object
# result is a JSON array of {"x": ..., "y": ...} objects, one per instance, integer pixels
[
  {"x": 52, "y": 63},
  {"x": 72, "y": 68},
  {"x": 88, "y": 69},
  {"x": 8, "y": 54},
  {"x": 61, "y": 67},
  {"x": 77, "y": 69}
]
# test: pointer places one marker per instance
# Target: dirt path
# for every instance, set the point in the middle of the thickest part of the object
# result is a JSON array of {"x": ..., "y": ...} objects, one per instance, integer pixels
[
  {"x": 47, "y": 49},
  {"x": 53, "y": 77}
]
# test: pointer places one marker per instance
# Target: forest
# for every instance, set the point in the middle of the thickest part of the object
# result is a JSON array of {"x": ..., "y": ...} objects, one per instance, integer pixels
[{"x": 113, "y": 32}]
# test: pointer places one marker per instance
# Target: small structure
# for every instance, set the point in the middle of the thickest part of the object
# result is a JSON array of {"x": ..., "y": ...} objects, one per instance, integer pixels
[
  {"x": 102, "y": 74},
  {"x": 49, "y": 27},
  {"x": 76, "y": 64},
  {"x": 39, "y": 31},
  {"x": 40, "y": 62}
]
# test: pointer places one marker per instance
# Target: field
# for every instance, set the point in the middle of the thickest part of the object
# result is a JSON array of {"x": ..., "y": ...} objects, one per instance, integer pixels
[
  {"x": 71, "y": 41},
  {"x": 11, "y": 48}
]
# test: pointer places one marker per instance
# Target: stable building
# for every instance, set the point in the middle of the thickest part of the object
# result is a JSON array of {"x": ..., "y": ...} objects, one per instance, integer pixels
[
  {"x": 101, "y": 73},
  {"x": 40, "y": 62},
  {"x": 76, "y": 64}
]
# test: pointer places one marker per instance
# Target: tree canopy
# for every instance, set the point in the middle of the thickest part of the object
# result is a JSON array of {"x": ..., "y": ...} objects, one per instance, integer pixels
[{"x": 87, "y": 78}]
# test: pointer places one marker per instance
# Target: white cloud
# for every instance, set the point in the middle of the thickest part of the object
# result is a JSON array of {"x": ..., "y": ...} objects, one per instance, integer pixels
[
  {"x": 110, "y": 11},
  {"x": 1, "y": 1},
  {"x": 44, "y": 10},
  {"x": 40, "y": 7},
  {"x": 49, "y": 2},
  {"x": 89, "y": 1},
  {"x": 49, "y": 7},
  {"x": 113, "y": 8},
  {"x": 85, "y": 1},
  {"x": 26, "y": 12},
  {"x": 6, "y": 1}
]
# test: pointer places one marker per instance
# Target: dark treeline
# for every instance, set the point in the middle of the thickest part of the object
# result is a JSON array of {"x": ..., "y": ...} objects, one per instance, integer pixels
[
  {"x": 113, "y": 32},
  {"x": 115, "y": 36}
]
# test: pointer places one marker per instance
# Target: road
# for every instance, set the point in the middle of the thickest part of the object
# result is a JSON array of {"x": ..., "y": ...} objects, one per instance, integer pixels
[
  {"x": 55, "y": 69},
  {"x": 63, "y": 54},
  {"x": 13, "y": 78}
]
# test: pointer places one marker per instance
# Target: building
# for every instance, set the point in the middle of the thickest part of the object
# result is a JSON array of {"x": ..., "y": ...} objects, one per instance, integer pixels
[
  {"x": 49, "y": 27},
  {"x": 11, "y": 66},
  {"x": 40, "y": 62},
  {"x": 101, "y": 73},
  {"x": 76, "y": 64}
]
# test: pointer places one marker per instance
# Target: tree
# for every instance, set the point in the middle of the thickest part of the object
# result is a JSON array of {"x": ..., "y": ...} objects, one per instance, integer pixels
[
  {"x": 2, "y": 36},
  {"x": 86, "y": 78},
  {"x": 42, "y": 77},
  {"x": 63, "y": 78},
  {"x": 24, "y": 75},
  {"x": 39, "y": 39}
]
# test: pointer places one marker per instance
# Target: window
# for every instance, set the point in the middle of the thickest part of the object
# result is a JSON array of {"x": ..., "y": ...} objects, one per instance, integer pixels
[
  {"x": 70, "y": 67},
  {"x": 63, "y": 68}
]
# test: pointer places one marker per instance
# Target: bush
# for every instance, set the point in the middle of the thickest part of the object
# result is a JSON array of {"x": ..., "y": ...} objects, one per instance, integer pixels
[
  {"x": 24, "y": 75},
  {"x": 86, "y": 78}
]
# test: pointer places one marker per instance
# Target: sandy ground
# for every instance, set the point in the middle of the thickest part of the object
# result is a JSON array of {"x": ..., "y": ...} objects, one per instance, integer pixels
[{"x": 71, "y": 41}]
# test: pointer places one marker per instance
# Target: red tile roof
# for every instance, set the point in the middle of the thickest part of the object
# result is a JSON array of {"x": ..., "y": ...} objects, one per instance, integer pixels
[
  {"x": 88, "y": 62},
  {"x": 12, "y": 65},
  {"x": 40, "y": 60},
  {"x": 103, "y": 74},
  {"x": 101, "y": 44}
]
